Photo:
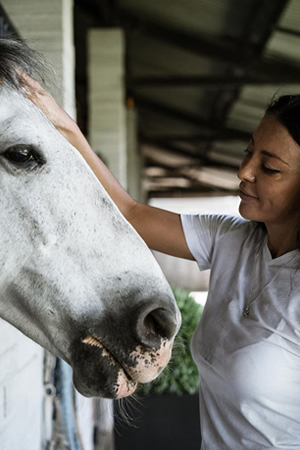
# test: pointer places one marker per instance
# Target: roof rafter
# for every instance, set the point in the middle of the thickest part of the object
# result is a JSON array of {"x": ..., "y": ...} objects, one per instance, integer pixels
[
  {"x": 216, "y": 48},
  {"x": 206, "y": 127},
  {"x": 196, "y": 158},
  {"x": 214, "y": 81}
]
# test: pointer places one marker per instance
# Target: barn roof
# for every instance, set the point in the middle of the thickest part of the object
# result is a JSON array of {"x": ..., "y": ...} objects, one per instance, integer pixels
[{"x": 200, "y": 73}]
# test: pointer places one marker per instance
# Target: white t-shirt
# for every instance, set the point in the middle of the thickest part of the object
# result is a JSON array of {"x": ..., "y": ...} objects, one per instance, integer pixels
[{"x": 249, "y": 366}]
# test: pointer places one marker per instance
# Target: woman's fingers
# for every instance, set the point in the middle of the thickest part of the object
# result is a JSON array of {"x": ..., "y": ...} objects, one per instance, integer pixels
[
  {"x": 28, "y": 82},
  {"x": 34, "y": 92},
  {"x": 46, "y": 103}
]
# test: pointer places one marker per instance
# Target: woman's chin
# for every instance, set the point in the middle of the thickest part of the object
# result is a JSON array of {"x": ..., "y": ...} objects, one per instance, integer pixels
[{"x": 248, "y": 213}]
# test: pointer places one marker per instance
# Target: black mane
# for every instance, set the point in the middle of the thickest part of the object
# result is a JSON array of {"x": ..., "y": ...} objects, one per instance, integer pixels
[{"x": 16, "y": 56}]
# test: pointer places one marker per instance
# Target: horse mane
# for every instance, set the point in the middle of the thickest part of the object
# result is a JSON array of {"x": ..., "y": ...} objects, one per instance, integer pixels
[{"x": 16, "y": 57}]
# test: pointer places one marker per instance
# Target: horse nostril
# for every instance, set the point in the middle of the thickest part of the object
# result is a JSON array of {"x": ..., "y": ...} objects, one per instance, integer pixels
[
  {"x": 158, "y": 322},
  {"x": 154, "y": 325}
]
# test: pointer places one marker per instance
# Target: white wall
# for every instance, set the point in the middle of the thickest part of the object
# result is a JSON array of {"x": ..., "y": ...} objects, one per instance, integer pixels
[
  {"x": 48, "y": 27},
  {"x": 21, "y": 391}
]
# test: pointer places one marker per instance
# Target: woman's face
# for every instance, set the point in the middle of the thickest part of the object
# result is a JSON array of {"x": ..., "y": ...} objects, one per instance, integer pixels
[{"x": 270, "y": 176}]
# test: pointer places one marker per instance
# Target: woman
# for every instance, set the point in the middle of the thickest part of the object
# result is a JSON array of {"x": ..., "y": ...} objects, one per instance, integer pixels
[{"x": 247, "y": 345}]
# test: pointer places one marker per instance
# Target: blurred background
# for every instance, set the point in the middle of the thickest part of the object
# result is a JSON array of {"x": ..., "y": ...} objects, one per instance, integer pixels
[{"x": 168, "y": 94}]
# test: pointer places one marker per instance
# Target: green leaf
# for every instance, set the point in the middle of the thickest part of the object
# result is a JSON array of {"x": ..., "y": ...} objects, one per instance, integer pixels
[{"x": 181, "y": 375}]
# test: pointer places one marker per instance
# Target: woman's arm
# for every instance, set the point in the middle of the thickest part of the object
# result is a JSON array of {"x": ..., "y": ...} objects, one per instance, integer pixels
[{"x": 160, "y": 229}]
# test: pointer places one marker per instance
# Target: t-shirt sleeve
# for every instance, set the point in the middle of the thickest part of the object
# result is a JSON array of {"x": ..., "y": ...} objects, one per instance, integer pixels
[{"x": 203, "y": 233}]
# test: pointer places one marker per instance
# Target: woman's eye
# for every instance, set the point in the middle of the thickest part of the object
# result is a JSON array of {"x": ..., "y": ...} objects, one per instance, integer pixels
[
  {"x": 270, "y": 171},
  {"x": 20, "y": 155}
]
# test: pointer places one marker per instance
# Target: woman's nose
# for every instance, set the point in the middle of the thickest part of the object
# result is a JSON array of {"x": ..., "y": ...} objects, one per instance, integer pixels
[{"x": 247, "y": 171}]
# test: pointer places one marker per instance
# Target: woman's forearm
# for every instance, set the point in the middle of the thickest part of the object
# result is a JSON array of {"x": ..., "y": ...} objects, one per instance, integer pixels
[
  {"x": 161, "y": 230},
  {"x": 70, "y": 130},
  {"x": 122, "y": 199}
]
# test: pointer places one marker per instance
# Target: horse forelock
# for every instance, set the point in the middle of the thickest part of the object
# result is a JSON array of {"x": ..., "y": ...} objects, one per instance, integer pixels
[{"x": 16, "y": 57}]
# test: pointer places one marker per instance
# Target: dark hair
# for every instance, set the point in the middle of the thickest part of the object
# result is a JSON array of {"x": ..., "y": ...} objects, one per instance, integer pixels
[
  {"x": 16, "y": 56},
  {"x": 286, "y": 109}
]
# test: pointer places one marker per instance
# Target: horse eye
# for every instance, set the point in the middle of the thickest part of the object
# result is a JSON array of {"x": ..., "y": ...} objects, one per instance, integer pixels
[{"x": 20, "y": 155}]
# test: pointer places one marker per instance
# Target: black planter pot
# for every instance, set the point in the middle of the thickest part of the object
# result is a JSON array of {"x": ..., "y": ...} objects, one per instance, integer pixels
[{"x": 162, "y": 423}]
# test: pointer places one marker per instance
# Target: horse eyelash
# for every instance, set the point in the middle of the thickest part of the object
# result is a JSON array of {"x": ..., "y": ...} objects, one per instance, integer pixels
[{"x": 37, "y": 157}]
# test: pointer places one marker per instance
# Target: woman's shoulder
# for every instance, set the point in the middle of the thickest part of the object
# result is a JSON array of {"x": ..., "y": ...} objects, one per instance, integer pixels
[
  {"x": 208, "y": 235},
  {"x": 219, "y": 228},
  {"x": 219, "y": 223}
]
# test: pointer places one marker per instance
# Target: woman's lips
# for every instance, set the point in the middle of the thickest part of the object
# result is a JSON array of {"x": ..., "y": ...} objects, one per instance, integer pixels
[{"x": 247, "y": 197}]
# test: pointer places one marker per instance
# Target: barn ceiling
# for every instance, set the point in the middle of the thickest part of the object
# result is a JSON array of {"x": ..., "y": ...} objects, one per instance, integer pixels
[{"x": 200, "y": 73}]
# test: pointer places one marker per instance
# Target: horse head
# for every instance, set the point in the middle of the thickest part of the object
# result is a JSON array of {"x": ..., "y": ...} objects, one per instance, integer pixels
[{"x": 74, "y": 275}]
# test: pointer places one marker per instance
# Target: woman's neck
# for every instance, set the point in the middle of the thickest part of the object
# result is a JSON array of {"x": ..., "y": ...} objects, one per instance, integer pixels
[{"x": 281, "y": 240}]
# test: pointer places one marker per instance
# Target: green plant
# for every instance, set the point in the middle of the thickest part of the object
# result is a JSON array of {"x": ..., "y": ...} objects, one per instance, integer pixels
[{"x": 181, "y": 375}]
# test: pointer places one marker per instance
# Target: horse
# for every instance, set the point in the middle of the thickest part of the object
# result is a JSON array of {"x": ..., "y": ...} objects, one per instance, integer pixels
[{"x": 75, "y": 277}]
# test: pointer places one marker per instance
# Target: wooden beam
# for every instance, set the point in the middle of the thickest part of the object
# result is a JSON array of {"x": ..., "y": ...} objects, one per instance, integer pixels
[
  {"x": 220, "y": 50},
  {"x": 212, "y": 81},
  {"x": 288, "y": 31},
  {"x": 176, "y": 114},
  {"x": 196, "y": 43},
  {"x": 197, "y": 158}
]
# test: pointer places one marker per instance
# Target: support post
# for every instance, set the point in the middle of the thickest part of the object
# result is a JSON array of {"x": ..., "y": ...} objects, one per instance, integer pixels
[{"x": 107, "y": 111}]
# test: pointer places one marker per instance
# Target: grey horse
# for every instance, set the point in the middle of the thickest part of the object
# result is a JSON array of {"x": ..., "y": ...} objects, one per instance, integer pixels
[{"x": 74, "y": 275}]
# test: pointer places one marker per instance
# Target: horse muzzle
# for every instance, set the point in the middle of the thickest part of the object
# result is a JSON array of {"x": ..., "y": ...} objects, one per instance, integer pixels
[{"x": 111, "y": 364}]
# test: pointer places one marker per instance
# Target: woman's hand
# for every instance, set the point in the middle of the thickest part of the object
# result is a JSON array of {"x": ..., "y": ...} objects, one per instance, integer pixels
[
  {"x": 160, "y": 229},
  {"x": 46, "y": 103}
]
